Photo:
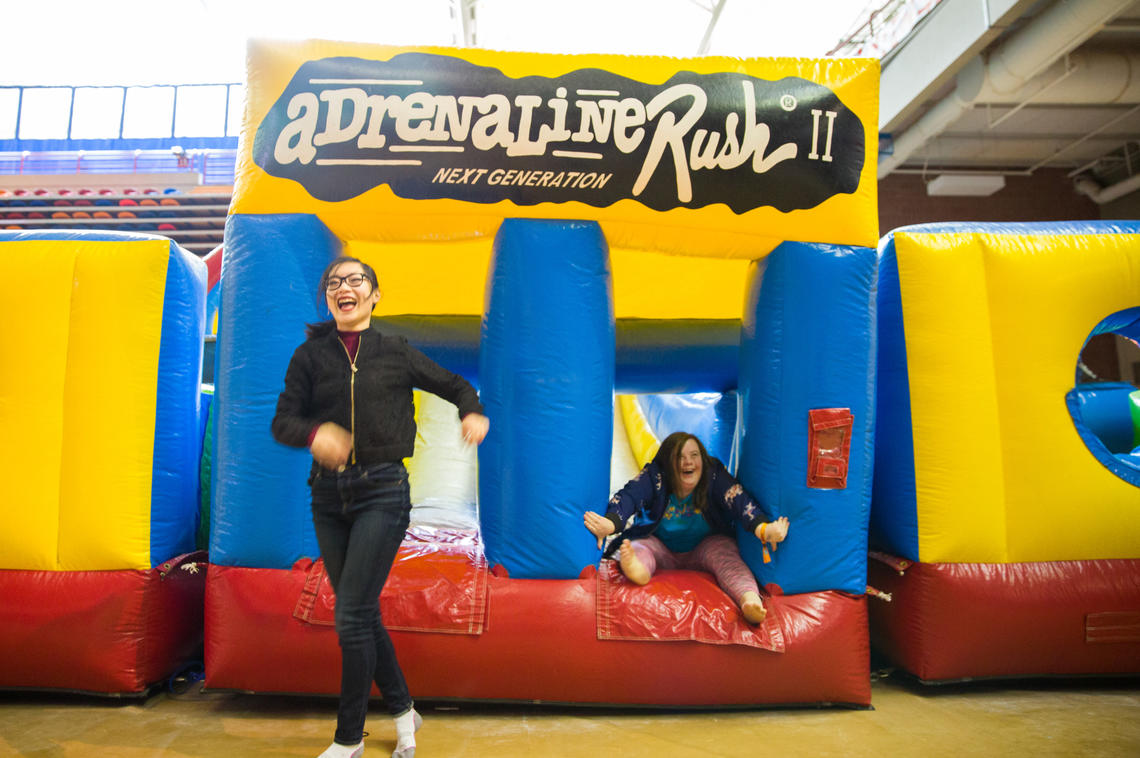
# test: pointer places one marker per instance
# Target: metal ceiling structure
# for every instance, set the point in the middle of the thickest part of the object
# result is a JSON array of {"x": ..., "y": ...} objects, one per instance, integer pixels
[
  {"x": 987, "y": 88},
  {"x": 976, "y": 90}
]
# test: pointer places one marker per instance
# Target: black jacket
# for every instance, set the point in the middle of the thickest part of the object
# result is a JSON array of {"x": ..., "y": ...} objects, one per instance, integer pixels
[{"x": 319, "y": 388}]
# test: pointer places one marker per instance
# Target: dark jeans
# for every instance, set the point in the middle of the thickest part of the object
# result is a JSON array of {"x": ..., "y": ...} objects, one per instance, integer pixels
[{"x": 360, "y": 516}]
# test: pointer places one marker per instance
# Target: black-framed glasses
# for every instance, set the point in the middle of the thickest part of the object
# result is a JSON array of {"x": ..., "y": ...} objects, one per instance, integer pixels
[{"x": 352, "y": 280}]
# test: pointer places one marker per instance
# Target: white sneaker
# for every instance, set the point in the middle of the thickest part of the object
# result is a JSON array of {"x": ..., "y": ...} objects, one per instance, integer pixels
[
  {"x": 336, "y": 750},
  {"x": 409, "y": 751}
]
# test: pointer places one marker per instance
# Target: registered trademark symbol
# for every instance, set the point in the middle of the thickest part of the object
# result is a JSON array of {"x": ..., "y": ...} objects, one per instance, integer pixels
[{"x": 788, "y": 102}]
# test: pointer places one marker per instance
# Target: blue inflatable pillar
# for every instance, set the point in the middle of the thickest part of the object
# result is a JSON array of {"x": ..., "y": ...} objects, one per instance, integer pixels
[
  {"x": 546, "y": 376},
  {"x": 259, "y": 514},
  {"x": 808, "y": 344}
]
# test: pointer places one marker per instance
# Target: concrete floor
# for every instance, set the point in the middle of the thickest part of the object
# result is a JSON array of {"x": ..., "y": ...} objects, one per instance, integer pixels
[{"x": 1039, "y": 719}]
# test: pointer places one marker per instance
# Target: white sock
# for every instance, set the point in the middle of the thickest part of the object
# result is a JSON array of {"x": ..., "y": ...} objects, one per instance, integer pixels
[
  {"x": 337, "y": 750},
  {"x": 407, "y": 724}
]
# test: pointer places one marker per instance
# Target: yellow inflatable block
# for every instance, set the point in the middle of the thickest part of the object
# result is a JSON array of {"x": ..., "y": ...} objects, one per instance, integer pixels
[
  {"x": 994, "y": 326},
  {"x": 36, "y": 289},
  {"x": 662, "y": 286},
  {"x": 425, "y": 278},
  {"x": 78, "y": 372},
  {"x": 109, "y": 405}
]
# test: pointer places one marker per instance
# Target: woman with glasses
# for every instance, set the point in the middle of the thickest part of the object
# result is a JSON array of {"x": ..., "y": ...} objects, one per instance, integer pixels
[{"x": 348, "y": 399}]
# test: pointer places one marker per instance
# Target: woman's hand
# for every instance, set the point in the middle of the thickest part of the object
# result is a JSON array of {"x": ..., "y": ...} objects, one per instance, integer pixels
[
  {"x": 773, "y": 531},
  {"x": 332, "y": 445},
  {"x": 475, "y": 426},
  {"x": 599, "y": 526}
]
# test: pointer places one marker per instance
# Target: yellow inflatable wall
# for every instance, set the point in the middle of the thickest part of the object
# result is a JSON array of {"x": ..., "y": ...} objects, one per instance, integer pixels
[
  {"x": 994, "y": 325},
  {"x": 80, "y": 347}
]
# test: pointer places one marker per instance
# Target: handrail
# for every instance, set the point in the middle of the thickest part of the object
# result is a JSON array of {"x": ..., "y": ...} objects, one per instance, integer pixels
[{"x": 215, "y": 165}]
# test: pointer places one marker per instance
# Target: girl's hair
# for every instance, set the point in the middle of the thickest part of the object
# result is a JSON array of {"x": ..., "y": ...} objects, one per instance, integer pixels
[
  {"x": 669, "y": 458},
  {"x": 324, "y": 327}
]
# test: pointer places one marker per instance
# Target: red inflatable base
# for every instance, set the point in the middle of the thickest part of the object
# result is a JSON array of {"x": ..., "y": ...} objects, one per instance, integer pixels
[
  {"x": 539, "y": 643},
  {"x": 105, "y": 632},
  {"x": 956, "y": 621}
]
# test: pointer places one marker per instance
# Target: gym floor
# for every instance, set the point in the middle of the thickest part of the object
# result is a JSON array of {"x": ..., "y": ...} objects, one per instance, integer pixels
[{"x": 1039, "y": 718}]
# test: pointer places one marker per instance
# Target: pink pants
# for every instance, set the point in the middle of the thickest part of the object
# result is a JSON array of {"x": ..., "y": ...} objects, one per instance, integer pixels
[{"x": 717, "y": 554}]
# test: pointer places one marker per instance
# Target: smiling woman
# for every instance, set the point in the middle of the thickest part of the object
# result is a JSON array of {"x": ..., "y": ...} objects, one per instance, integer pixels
[
  {"x": 351, "y": 292},
  {"x": 344, "y": 372}
]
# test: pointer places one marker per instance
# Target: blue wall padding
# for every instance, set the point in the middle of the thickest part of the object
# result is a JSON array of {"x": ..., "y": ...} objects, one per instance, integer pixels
[
  {"x": 260, "y": 514},
  {"x": 808, "y": 341},
  {"x": 177, "y": 425},
  {"x": 1125, "y": 322},
  {"x": 711, "y": 416},
  {"x": 894, "y": 517},
  {"x": 1118, "y": 461},
  {"x": 546, "y": 369},
  {"x": 682, "y": 355},
  {"x": 653, "y": 355},
  {"x": 1105, "y": 410}
]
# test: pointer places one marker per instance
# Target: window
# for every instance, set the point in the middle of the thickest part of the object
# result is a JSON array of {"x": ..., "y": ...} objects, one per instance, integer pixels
[
  {"x": 237, "y": 104},
  {"x": 201, "y": 111},
  {"x": 9, "y": 105},
  {"x": 97, "y": 112},
  {"x": 149, "y": 112},
  {"x": 45, "y": 113}
]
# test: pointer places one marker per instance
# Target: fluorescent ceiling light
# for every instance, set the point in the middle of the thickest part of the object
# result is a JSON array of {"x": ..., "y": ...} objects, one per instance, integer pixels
[{"x": 971, "y": 185}]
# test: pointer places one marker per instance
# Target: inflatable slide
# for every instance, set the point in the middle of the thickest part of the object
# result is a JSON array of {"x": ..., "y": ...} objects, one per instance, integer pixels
[{"x": 559, "y": 229}]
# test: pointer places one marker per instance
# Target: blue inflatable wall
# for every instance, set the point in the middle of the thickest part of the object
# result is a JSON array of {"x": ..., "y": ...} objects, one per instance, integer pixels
[
  {"x": 546, "y": 369},
  {"x": 260, "y": 516},
  {"x": 808, "y": 343}
]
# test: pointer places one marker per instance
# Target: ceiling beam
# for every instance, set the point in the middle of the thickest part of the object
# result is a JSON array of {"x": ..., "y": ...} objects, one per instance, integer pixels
[
  {"x": 715, "y": 10},
  {"x": 463, "y": 17}
]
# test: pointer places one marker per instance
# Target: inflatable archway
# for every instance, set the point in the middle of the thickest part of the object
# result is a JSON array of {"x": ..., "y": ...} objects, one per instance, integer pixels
[{"x": 558, "y": 229}]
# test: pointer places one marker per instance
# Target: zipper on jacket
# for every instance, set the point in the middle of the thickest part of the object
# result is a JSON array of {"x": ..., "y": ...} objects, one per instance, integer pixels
[{"x": 352, "y": 392}]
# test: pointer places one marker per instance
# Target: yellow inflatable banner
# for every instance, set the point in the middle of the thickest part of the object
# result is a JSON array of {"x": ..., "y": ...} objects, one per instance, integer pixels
[{"x": 704, "y": 156}]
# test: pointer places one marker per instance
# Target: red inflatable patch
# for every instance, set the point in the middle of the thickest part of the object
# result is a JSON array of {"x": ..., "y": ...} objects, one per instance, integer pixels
[
  {"x": 679, "y": 605},
  {"x": 438, "y": 583}
]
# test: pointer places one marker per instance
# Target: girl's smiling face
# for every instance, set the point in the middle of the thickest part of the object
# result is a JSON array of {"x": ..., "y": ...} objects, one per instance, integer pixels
[
  {"x": 351, "y": 297},
  {"x": 689, "y": 468}
]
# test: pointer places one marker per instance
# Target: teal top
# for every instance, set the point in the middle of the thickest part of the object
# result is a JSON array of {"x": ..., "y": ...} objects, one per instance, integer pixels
[{"x": 682, "y": 527}]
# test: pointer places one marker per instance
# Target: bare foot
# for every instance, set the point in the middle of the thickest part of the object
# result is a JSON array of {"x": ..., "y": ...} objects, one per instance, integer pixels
[
  {"x": 753, "y": 608},
  {"x": 631, "y": 565}
]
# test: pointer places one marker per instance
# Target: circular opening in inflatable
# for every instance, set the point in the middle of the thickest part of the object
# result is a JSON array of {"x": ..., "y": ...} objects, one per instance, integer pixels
[{"x": 1105, "y": 400}]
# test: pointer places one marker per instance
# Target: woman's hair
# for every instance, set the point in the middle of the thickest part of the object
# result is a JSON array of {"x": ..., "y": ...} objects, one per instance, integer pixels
[
  {"x": 324, "y": 327},
  {"x": 669, "y": 457}
]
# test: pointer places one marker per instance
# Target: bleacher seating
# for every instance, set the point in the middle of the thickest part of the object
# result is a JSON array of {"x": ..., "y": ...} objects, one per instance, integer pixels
[{"x": 195, "y": 220}]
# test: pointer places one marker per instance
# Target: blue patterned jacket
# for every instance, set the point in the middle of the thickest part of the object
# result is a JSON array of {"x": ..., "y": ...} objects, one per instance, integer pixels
[{"x": 637, "y": 508}]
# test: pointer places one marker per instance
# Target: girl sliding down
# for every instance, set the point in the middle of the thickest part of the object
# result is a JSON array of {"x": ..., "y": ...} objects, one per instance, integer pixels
[{"x": 677, "y": 513}]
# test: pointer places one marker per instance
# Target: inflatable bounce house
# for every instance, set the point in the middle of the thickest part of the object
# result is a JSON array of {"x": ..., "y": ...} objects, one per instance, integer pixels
[
  {"x": 99, "y": 402},
  {"x": 610, "y": 248},
  {"x": 1006, "y": 516}
]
